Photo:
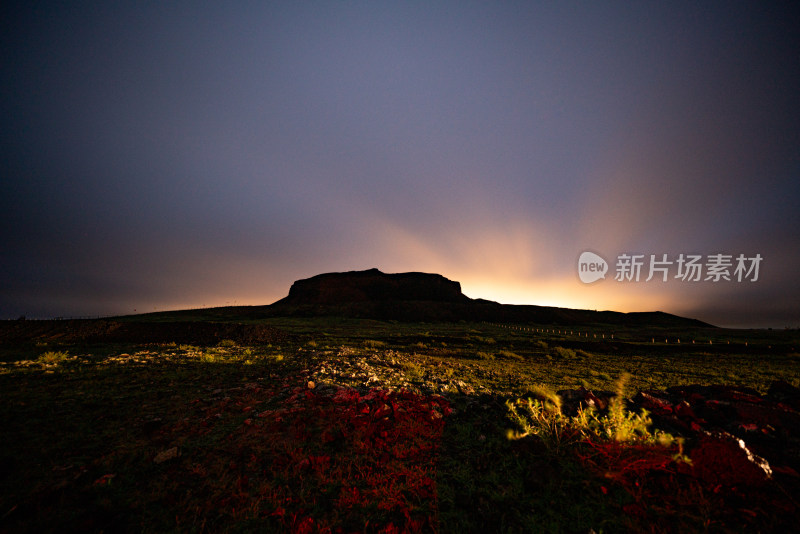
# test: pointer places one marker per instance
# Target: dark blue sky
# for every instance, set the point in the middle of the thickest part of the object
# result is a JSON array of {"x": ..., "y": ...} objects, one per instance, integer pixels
[{"x": 165, "y": 155}]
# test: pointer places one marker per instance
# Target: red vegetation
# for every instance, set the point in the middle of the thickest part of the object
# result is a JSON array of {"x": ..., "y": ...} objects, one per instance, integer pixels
[
  {"x": 336, "y": 461},
  {"x": 721, "y": 485}
]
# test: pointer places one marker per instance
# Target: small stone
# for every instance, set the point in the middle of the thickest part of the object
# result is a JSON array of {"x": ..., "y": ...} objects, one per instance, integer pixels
[
  {"x": 165, "y": 455},
  {"x": 311, "y": 384},
  {"x": 464, "y": 388}
]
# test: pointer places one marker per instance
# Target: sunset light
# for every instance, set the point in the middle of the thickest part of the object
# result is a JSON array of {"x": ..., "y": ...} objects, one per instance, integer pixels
[{"x": 162, "y": 156}]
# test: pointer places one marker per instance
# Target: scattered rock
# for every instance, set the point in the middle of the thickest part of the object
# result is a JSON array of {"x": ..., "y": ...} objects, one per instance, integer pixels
[
  {"x": 761, "y": 430},
  {"x": 654, "y": 404},
  {"x": 726, "y": 459},
  {"x": 165, "y": 455},
  {"x": 464, "y": 388}
]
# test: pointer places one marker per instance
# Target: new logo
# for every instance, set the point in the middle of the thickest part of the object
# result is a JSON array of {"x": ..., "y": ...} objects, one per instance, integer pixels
[{"x": 591, "y": 267}]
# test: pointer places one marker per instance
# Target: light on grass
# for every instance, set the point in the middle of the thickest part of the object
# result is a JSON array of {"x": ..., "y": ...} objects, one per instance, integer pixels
[
  {"x": 542, "y": 417},
  {"x": 53, "y": 357}
]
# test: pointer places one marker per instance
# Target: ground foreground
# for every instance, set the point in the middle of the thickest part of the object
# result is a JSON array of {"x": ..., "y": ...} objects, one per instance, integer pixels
[{"x": 360, "y": 426}]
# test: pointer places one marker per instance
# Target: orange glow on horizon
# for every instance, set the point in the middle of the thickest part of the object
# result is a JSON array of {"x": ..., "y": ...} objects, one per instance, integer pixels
[
  {"x": 522, "y": 263},
  {"x": 568, "y": 293}
]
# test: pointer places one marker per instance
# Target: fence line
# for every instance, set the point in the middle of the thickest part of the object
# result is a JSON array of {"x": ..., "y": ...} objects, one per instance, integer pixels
[{"x": 564, "y": 332}]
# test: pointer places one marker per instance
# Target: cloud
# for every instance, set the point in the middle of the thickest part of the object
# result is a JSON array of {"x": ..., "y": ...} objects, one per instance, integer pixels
[{"x": 157, "y": 158}]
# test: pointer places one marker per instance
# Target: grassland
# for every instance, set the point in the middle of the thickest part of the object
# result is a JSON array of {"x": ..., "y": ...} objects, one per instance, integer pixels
[{"x": 358, "y": 426}]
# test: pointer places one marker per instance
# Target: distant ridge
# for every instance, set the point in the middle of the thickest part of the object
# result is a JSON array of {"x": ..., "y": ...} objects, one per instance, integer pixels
[{"x": 416, "y": 296}]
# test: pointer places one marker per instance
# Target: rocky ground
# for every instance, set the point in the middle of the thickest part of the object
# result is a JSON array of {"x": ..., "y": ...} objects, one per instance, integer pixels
[
  {"x": 752, "y": 435},
  {"x": 309, "y": 431}
]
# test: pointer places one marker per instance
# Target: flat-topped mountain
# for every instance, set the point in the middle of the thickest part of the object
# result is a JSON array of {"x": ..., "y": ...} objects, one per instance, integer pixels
[
  {"x": 373, "y": 286},
  {"x": 432, "y": 297}
]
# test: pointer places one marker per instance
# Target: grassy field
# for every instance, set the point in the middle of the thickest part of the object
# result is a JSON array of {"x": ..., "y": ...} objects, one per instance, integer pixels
[{"x": 365, "y": 426}]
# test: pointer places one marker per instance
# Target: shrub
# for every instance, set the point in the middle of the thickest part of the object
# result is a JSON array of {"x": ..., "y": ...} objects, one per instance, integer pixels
[
  {"x": 227, "y": 343},
  {"x": 619, "y": 424},
  {"x": 51, "y": 357},
  {"x": 485, "y": 355},
  {"x": 372, "y": 344},
  {"x": 211, "y": 357},
  {"x": 413, "y": 371},
  {"x": 541, "y": 344},
  {"x": 543, "y": 417},
  {"x": 547, "y": 395}
]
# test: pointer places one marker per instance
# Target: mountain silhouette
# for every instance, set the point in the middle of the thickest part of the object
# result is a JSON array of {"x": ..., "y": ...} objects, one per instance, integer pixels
[
  {"x": 373, "y": 286},
  {"x": 416, "y": 296}
]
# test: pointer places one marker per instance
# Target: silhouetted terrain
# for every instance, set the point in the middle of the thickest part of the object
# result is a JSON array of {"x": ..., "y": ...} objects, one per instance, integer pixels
[
  {"x": 371, "y": 294},
  {"x": 432, "y": 297},
  {"x": 108, "y": 331}
]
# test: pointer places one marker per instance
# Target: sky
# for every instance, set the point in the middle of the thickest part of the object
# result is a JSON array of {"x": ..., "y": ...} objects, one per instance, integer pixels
[{"x": 173, "y": 155}]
